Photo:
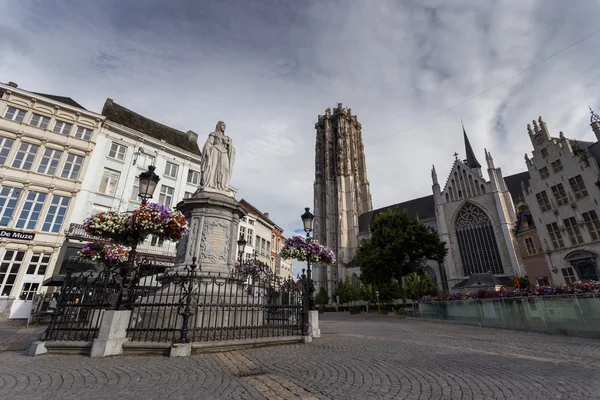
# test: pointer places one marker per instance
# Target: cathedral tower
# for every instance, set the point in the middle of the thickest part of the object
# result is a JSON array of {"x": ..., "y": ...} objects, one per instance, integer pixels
[{"x": 341, "y": 192}]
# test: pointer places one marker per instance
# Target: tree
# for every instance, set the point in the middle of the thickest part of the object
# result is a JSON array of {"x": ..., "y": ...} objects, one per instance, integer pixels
[
  {"x": 389, "y": 291},
  {"x": 426, "y": 286},
  {"x": 396, "y": 246},
  {"x": 347, "y": 291},
  {"x": 322, "y": 297}
]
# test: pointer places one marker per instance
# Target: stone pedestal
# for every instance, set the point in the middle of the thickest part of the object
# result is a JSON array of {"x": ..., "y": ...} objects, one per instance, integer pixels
[
  {"x": 112, "y": 333},
  {"x": 313, "y": 324}
]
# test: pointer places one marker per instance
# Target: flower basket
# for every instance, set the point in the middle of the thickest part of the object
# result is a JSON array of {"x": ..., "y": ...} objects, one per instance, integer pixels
[
  {"x": 298, "y": 248},
  {"x": 104, "y": 252},
  {"x": 250, "y": 269}
]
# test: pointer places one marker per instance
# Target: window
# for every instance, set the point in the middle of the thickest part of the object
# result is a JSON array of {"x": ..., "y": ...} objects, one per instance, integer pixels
[
  {"x": 136, "y": 189},
  {"x": 476, "y": 242},
  {"x": 166, "y": 195},
  {"x": 263, "y": 246},
  {"x": 156, "y": 241},
  {"x": 530, "y": 246},
  {"x": 83, "y": 133},
  {"x": 145, "y": 160},
  {"x": 569, "y": 275},
  {"x": 557, "y": 166},
  {"x": 109, "y": 182},
  {"x": 560, "y": 195},
  {"x": 38, "y": 264},
  {"x": 554, "y": 233},
  {"x": 250, "y": 237},
  {"x": 578, "y": 187},
  {"x": 9, "y": 269},
  {"x": 543, "y": 281},
  {"x": 28, "y": 290},
  {"x": 15, "y": 114},
  {"x": 250, "y": 221},
  {"x": 544, "y": 153},
  {"x": 49, "y": 162},
  {"x": 25, "y": 156},
  {"x": 543, "y": 202},
  {"x": 544, "y": 172},
  {"x": 187, "y": 195},
  {"x": 56, "y": 214},
  {"x": 72, "y": 167},
  {"x": 193, "y": 177},
  {"x": 62, "y": 127},
  {"x": 171, "y": 170},
  {"x": 30, "y": 212},
  {"x": 268, "y": 247},
  {"x": 593, "y": 225},
  {"x": 243, "y": 232},
  {"x": 39, "y": 121},
  {"x": 573, "y": 231},
  {"x": 8, "y": 202},
  {"x": 5, "y": 146},
  {"x": 117, "y": 151}
]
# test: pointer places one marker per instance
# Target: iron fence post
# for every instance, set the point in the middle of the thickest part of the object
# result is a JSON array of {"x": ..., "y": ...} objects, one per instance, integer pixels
[
  {"x": 186, "y": 300},
  {"x": 305, "y": 303}
]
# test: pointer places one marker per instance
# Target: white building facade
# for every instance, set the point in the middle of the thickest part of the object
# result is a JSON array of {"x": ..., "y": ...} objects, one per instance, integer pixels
[{"x": 46, "y": 143}]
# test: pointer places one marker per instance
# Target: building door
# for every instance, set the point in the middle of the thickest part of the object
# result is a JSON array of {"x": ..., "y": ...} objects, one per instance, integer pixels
[
  {"x": 588, "y": 272},
  {"x": 31, "y": 285}
]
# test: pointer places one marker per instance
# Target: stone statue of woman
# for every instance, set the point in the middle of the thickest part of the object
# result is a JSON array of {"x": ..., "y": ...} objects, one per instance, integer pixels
[{"x": 218, "y": 156}]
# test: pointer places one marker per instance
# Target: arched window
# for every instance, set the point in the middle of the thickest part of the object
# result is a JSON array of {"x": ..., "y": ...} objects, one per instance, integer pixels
[
  {"x": 356, "y": 281},
  {"x": 477, "y": 242}
]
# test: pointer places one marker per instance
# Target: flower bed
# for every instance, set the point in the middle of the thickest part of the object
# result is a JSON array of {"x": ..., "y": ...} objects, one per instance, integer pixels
[
  {"x": 579, "y": 287},
  {"x": 297, "y": 248}
]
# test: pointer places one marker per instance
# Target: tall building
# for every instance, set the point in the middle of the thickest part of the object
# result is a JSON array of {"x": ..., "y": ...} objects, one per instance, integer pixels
[
  {"x": 341, "y": 192},
  {"x": 46, "y": 142},
  {"x": 564, "y": 196}
]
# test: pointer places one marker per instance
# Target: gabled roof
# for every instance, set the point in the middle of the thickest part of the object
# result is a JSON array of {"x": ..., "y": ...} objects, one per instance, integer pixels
[
  {"x": 124, "y": 116},
  {"x": 61, "y": 99},
  {"x": 513, "y": 184},
  {"x": 423, "y": 208},
  {"x": 257, "y": 211}
]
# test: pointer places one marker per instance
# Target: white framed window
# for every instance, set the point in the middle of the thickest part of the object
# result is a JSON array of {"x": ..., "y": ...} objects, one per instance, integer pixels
[
  {"x": 5, "y": 146},
  {"x": 15, "y": 114},
  {"x": 166, "y": 195},
  {"x": 250, "y": 221},
  {"x": 9, "y": 270},
  {"x": 109, "y": 182},
  {"x": 29, "y": 290},
  {"x": 56, "y": 214},
  {"x": 569, "y": 275},
  {"x": 49, "y": 162},
  {"x": 136, "y": 189},
  {"x": 592, "y": 223},
  {"x": 250, "y": 237},
  {"x": 242, "y": 232},
  {"x": 193, "y": 177},
  {"x": 38, "y": 264},
  {"x": 25, "y": 156},
  {"x": 39, "y": 121},
  {"x": 117, "y": 151},
  {"x": 62, "y": 127},
  {"x": 72, "y": 167},
  {"x": 187, "y": 195},
  {"x": 145, "y": 160},
  {"x": 8, "y": 201},
  {"x": 83, "y": 133},
  {"x": 156, "y": 241},
  {"x": 171, "y": 170},
  {"x": 31, "y": 209},
  {"x": 530, "y": 246}
]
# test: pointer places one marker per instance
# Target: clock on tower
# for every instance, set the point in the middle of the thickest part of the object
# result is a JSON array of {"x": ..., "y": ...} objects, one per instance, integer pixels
[{"x": 538, "y": 139}]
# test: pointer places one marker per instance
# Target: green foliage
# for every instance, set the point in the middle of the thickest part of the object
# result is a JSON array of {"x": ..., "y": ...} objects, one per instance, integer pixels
[
  {"x": 389, "y": 291},
  {"x": 426, "y": 285},
  {"x": 322, "y": 297},
  {"x": 367, "y": 292},
  {"x": 347, "y": 291},
  {"x": 397, "y": 244},
  {"x": 524, "y": 282}
]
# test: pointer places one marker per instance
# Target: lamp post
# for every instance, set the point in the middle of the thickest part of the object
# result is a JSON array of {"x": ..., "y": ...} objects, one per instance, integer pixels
[
  {"x": 241, "y": 248},
  {"x": 307, "y": 221},
  {"x": 148, "y": 182}
]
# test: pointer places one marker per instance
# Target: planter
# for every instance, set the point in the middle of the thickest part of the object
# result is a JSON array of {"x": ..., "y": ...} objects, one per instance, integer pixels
[{"x": 354, "y": 311}]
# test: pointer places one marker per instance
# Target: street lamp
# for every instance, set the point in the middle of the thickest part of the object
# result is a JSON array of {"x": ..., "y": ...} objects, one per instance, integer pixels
[
  {"x": 307, "y": 221},
  {"x": 241, "y": 247},
  {"x": 148, "y": 182}
]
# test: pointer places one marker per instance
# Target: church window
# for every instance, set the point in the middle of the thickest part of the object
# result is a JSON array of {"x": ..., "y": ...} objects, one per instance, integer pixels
[
  {"x": 530, "y": 246},
  {"x": 482, "y": 189},
  {"x": 476, "y": 241},
  {"x": 544, "y": 173},
  {"x": 560, "y": 195},
  {"x": 569, "y": 275},
  {"x": 573, "y": 231},
  {"x": 544, "y": 152},
  {"x": 593, "y": 224},
  {"x": 555, "y": 236},
  {"x": 543, "y": 202},
  {"x": 557, "y": 166},
  {"x": 578, "y": 187}
]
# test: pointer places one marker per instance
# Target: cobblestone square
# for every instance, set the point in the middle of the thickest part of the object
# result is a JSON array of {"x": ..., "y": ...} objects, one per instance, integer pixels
[{"x": 358, "y": 357}]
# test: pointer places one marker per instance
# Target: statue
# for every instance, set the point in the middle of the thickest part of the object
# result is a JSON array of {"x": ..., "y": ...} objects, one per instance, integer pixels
[{"x": 218, "y": 156}]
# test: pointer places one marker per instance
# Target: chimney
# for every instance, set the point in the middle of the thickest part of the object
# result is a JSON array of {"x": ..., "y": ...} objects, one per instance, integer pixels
[
  {"x": 192, "y": 136},
  {"x": 12, "y": 84},
  {"x": 266, "y": 215},
  {"x": 595, "y": 123}
]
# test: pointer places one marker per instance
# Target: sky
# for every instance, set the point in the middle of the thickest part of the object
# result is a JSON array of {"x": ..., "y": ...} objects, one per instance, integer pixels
[{"x": 410, "y": 70}]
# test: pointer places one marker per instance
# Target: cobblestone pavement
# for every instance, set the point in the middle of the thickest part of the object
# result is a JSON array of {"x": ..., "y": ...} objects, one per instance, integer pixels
[{"x": 358, "y": 357}]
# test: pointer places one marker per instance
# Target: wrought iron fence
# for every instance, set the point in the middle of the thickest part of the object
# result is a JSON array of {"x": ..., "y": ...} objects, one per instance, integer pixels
[{"x": 188, "y": 305}]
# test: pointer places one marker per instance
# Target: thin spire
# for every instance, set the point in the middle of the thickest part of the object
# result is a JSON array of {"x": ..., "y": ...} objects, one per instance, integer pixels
[{"x": 471, "y": 159}]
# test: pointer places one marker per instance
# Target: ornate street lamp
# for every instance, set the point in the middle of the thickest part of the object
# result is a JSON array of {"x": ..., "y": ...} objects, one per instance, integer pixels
[
  {"x": 241, "y": 247},
  {"x": 148, "y": 182},
  {"x": 307, "y": 221}
]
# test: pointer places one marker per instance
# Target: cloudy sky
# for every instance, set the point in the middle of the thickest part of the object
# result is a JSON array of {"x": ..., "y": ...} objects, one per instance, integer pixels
[{"x": 410, "y": 70}]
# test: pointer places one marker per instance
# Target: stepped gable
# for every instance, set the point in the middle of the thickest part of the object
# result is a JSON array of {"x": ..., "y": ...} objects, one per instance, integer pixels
[{"x": 124, "y": 116}]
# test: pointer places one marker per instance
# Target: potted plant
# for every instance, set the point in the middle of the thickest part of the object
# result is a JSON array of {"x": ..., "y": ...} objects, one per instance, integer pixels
[{"x": 400, "y": 312}]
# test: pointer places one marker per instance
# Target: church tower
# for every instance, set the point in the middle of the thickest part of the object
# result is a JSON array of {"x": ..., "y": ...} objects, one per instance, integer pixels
[{"x": 341, "y": 191}]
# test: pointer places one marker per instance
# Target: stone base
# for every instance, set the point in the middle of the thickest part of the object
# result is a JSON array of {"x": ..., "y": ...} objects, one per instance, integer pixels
[
  {"x": 37, "y": 348},
  {"x": 112, "y": 333},
  {"x": 107, "y": 348},
  {"x": 307, "y": 339},
  {"x": 181, "y": 350},
  {"x": 313, "y": 324}
]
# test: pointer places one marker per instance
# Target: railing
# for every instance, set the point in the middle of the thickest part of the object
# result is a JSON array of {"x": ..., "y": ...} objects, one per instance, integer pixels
[{"x": 574, "y": 314}]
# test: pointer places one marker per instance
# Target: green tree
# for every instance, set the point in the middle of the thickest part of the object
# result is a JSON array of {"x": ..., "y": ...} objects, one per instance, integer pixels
[
  {"x": 396, "y": 246},
  {"x": 426, "y": 286},
  {"x": 389, "y": 291},
  {"x": 322, "y": 297},
  {"x": 347, "y": 291}
]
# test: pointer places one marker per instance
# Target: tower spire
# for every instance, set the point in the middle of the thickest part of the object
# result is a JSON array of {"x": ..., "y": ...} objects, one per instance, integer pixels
[{"x": 471, "y": 159}]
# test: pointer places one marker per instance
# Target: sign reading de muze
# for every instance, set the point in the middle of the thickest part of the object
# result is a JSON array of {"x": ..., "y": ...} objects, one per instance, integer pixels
[{"x": 16, "y": 235}]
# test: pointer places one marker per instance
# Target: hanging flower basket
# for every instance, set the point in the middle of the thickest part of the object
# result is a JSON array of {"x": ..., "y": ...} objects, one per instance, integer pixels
[
  {"x": 289, "y": 285},
  {"x": 251, "y": 268},
  {"x": 296, "y": 248},
  {"x": 104, "y": 252},
  {"x": 127, "y": 228}
]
